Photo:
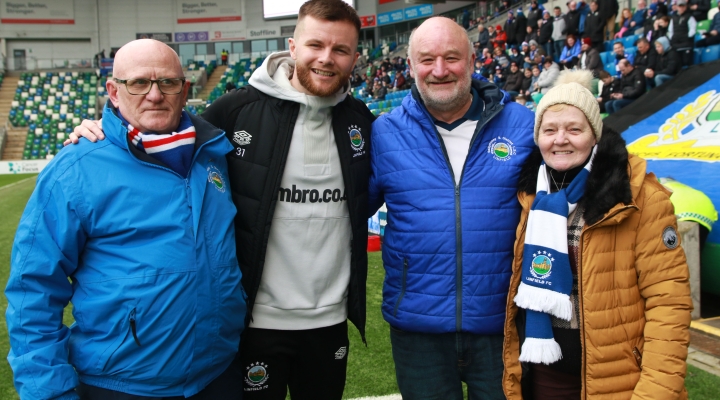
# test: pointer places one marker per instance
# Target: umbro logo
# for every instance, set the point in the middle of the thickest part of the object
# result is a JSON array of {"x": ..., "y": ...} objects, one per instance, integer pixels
[
  {"x": 242, "y": 138},
  {"x": 340, "y": 354}
]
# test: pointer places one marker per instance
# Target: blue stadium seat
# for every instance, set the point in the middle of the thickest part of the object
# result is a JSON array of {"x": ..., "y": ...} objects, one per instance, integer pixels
[
  {"x": 630, "y": 40},
  {"x": 606, "y": 57},
  {"x": 711, "y": 53},
  {"x": 697, "y": 59},
  {"x": 610, "y": 68}
]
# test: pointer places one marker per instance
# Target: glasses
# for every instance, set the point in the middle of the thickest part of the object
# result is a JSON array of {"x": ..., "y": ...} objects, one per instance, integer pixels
[{"x": 142, "y": 86}]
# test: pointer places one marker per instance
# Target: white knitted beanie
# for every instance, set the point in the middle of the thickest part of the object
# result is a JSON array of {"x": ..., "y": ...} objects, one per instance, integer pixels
[{"x": 572, "y": 88}]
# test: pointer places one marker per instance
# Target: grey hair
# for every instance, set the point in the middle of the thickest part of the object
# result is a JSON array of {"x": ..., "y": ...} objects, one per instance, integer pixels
[{"x": 471, "y": 48}]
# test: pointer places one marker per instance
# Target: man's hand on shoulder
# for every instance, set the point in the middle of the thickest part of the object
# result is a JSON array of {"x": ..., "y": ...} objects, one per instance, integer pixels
[{"x": 89, "y": 129}]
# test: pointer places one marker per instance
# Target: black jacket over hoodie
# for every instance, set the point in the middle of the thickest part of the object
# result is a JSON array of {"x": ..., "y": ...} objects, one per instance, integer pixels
[{"x": 255, "y": 173}]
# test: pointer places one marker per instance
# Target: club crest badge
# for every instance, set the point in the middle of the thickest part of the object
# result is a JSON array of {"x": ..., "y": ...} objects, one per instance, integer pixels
[
  {"x": 541, "y": 267},
  {"x": 501, "y": 148},
  {"x": 216, "y": 179},
  {"x": 242, "y": 138},
  {"x": 257, "y": 374},
  {"x": 670, "y": 238},
  {"x": 356, "y": 138}
]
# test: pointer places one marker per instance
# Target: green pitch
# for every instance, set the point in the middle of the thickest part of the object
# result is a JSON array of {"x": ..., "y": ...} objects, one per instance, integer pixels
[{"x": 371, "y": 371}]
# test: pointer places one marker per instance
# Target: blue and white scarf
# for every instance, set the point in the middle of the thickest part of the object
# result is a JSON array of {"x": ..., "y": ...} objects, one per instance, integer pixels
[{"x": 546, "y": 275}]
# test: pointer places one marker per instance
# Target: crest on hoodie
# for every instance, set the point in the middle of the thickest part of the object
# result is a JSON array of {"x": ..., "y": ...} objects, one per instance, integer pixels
[
  {"x": 256, "y": 375},
  {"x": 357, "y": 141}
]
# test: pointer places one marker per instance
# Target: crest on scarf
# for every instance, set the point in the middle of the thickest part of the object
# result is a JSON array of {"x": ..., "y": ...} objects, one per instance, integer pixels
[
  {"x": 501, "y": 148},
  {"x": 242, "y": 138},
  {"x": 215, "y": 177},
  {"x": 541, "y": 266}
]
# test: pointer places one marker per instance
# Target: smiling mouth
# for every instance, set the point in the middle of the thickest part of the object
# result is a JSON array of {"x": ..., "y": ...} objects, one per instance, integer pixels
[
  {"x": 323, "y": 73},
  {"x": 562, "y": 152}
]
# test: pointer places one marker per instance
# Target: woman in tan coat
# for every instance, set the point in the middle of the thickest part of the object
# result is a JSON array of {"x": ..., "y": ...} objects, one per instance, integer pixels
[{"x": 599, "y": 303}]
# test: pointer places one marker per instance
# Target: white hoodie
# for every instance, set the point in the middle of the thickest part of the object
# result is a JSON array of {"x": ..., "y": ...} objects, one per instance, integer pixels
[{"x": 305, "y": 279}]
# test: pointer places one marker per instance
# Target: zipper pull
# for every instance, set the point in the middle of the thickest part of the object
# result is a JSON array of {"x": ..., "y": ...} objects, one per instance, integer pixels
[{"x": 133, "y": 327}]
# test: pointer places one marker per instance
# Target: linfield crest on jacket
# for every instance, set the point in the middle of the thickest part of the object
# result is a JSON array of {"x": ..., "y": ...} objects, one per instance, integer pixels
[{"x": 448, "y": 247}]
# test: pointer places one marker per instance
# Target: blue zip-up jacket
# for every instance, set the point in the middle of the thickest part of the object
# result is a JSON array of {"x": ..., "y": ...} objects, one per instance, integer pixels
[
  {"x": 154, "y": 278},
  {"x": 448, "y": 248}
]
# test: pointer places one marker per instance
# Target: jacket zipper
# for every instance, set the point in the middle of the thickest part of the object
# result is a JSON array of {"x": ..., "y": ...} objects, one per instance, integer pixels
[
  {"x": 403, "y": 287},
  {"x": 638, "y": 356},
  {"x": 133, "y": 328},
  {"x": 458, "y": 214}
]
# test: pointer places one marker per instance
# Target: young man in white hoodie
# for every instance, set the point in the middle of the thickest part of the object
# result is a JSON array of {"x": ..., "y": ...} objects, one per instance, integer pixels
[{"x": 299, "y": 176}]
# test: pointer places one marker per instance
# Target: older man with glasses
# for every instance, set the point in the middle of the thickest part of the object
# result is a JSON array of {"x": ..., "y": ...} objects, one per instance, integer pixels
[{"x": 137, "y": 232}]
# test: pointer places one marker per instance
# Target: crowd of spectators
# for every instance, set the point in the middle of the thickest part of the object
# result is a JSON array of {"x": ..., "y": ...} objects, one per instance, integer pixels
[
  {"x": 384, "y": 78},
  {"x": 525, "y": 54}
]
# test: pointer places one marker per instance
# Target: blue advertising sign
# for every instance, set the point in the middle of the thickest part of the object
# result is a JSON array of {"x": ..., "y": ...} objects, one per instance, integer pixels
[
  {"x": 390, "y": 17},
  {"x": 420, "y": 11},
  {"x": 191, "y": 36}
]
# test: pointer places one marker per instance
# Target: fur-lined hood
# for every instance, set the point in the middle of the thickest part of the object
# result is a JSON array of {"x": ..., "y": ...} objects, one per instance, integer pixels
[{"x": 609, "y": 182}]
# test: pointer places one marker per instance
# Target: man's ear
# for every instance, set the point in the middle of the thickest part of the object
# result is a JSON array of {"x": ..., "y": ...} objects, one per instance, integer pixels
[{"x": 112, "y": 89}]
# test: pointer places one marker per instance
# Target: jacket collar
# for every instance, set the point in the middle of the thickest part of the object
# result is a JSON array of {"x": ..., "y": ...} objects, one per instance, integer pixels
[{"x": 613, "y": 185}]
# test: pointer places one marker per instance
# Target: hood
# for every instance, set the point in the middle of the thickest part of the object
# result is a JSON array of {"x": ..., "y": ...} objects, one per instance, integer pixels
[
  {"x": 273, "y": 79},
  {"x": 664, "y": 42}
]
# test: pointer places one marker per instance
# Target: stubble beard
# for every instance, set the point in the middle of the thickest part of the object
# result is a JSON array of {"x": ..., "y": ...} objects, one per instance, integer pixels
[
  {"x": 304, "y": 75},
  {"x": 458, "y": 98}
]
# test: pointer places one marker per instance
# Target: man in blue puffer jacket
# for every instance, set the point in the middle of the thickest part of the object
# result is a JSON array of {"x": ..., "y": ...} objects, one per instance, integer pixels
[
  {"x": 137, "y": 232},
  {"x": 446, "y": 163}
]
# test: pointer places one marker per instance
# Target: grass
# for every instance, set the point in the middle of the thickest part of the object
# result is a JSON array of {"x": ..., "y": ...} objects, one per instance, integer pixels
[{"x": 371, "y": 371}]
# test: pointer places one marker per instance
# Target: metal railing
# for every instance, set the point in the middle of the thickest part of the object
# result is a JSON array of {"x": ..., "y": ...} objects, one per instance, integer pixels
[{"x": 33, "y": 63}]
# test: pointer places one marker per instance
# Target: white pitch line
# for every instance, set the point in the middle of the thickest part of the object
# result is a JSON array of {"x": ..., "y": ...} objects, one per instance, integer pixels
[
  {"x": 389, "y": 397},
  {"x": 17, "y": 183}
]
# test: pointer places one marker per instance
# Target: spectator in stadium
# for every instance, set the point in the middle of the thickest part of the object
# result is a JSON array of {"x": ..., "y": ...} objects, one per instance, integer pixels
[
  {"x": 224, "y": 56},
  {"x": 699, "y": 9},
  {"x": 534, "y": 14},
  {"x": 632, "y": 86},
  {"x": 546, "y": 30},
  {"x": 526, "y": 86},
  {"x": 511, "y": 29},
  {"x": 559, "y": 32},
  {"x": 667, "y": 64},
  {"x": 608, "y": 11},
  {"x": 483, "y": 37},
  {"x": 659, "y": 29},
  {"x": 681, "y": 32},
  {"x": 638, "y": 19},
  {"x": 589, "y": 58},
  {"x": 610, "y": 86},
  {"x": 513, "y": 80},
  {"x": 595, "y": 27},
  {"x": 399, "y": 82},
  {"x": 491, "y": 36},
  {"x": 498, "y": 78},
  {"x": 515, "y": 55},
  {"x": 500, "y": 38},
  {"x": 712, "y": 36},
  {"x": 140, "y": 277},
  {"x": 570, "y": 53},
  {"x": 546, "y": 79},
  {"x": 615, "y": 311},
  {"x": 386, "y": 64},
  {"x": 645, "y": 57},
  {"x": 572, "y": 20},
  {"x": 521, "y": 25},
  {"x": 531, "y": 34},
  {"x": 384, "y": 77},
  {"x": 621, "y": 54},
  {"x": 500, "y": 59},
  {"x": 426, "y": 281},
  {"x": 301, "y": 288},
  {"x": 626, "y": 29},
  {"x": 379, "y": 90},
  {"x": 230, "y": 86},
  {"x": 357, "y": 80}
]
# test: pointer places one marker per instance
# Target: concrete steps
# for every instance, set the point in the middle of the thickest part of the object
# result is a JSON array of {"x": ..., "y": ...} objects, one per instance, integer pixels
[{"x": 213, "y": 80}]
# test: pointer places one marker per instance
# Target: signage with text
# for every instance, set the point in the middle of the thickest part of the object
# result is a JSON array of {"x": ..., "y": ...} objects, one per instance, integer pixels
[
  {"x": 193, "y": 12},
  {"x": 367, "y": 21},
  {"x": 56, "y": 12}
]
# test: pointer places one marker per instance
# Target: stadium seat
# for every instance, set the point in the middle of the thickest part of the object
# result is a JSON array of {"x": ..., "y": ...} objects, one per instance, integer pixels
[
  {"x": 703, "y": 26},
  {"x": 711, "y": 53},
  {"x": 697, "y": 58}
]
